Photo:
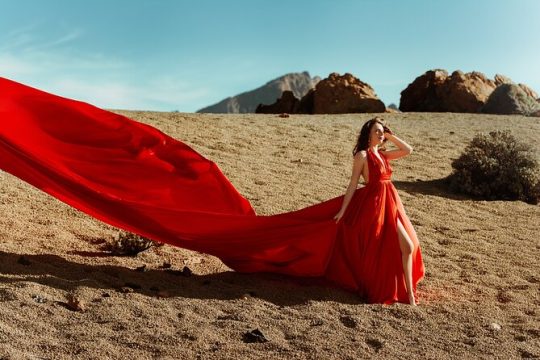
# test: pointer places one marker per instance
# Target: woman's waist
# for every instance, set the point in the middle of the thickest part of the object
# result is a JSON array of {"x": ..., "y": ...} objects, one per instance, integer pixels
[{"x": 378, "y": 181}]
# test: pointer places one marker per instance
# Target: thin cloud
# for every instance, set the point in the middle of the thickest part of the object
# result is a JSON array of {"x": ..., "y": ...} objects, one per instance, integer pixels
[
  {"x": 158, "y": 94},
  {"x": 56, "y": 66},
  {"x": 29, "y": 39},
  {"x": 67, "y": 38}
]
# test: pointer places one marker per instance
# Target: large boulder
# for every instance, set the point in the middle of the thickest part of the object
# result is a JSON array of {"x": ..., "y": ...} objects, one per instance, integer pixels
[
  {"x": 435, "y": 91},
  {"x": 287, "y": 103},
  {"x": 345, "y": 94},
  {"x": 511, "y": 99},
  {"x": 465, "y": 93},
  {"x": 422, "y": 94}
]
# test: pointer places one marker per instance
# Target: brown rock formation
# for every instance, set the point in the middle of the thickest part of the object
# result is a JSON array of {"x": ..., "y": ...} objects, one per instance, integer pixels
[
  {"x": 422, "y": 94},
  {"x": 287, "y": 103},
  {"x": 501, "y": 79},
  {"x": 436, "y": 91},
  {"x": 334, "y": 95},
  {"x": 345, "y": 94},
  {"x": 460, "y": 92}
]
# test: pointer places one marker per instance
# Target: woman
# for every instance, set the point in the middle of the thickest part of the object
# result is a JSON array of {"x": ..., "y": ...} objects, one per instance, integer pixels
[{"x": 374, "y": 224}]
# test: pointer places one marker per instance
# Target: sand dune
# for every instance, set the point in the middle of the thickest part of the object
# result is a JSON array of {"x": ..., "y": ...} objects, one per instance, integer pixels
[{"x": 480, "y": 297}]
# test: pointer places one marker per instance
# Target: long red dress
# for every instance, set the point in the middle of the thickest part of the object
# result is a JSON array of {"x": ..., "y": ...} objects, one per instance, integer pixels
[
  {"x": 367, "y": 256},
  {"x": 135, "y": 177}
]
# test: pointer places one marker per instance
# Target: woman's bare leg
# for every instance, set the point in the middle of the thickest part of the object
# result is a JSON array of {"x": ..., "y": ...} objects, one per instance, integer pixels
[{"x": 407, "y": 247}]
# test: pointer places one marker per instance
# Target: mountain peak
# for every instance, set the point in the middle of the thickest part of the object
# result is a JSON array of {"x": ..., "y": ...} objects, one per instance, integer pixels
[{"x": 299, "y": 83}]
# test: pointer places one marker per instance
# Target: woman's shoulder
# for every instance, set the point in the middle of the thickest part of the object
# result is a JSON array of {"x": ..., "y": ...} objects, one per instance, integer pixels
[{"x": 362, "y": 154}]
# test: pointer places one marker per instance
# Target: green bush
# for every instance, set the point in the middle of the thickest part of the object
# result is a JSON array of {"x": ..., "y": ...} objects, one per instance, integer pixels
[
  {"x": 497, "y": 167},
  {"x": 126, "y": 243}
]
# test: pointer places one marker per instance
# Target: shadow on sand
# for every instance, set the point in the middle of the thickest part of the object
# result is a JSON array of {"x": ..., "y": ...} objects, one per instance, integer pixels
[
  {"x": 438, "y": 187},
  {"x": 58, "y": 272}
]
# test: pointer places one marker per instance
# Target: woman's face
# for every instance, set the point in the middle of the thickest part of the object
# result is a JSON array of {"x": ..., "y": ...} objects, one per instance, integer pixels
[{"x": 376, "y": 136}]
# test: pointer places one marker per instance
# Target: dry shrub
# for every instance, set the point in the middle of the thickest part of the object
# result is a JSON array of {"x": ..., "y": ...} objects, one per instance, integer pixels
[
  {"x": 497, "y": 167},
  {"x": 126, "y": 243}
]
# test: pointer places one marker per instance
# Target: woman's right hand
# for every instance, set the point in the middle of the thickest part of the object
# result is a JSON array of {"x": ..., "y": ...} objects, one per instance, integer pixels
[
  {"x": 339, "y": 215},
  {"x": 386, "y": 129}
]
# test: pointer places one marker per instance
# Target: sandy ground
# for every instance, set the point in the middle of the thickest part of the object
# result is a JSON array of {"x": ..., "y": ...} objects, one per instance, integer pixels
[{"x": 479, "y": 299}]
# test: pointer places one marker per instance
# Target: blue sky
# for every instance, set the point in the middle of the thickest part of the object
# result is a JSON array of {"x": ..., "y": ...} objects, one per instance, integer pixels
[{"x": 186, "y": 54}]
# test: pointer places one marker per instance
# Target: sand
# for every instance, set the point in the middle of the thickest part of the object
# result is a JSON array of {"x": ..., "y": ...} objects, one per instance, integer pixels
[{"x": 479, "y": 299}]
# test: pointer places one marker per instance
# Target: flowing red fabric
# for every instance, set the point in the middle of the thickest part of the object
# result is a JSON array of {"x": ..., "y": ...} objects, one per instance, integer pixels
[{"x": 135, "y": 177}]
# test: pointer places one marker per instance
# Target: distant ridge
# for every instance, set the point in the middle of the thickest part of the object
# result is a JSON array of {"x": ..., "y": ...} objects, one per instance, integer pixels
[{"x": 246, "y": 102}]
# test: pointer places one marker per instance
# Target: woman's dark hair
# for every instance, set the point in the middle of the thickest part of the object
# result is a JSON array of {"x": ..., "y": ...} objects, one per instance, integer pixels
[{"x": 363, "y": 138}]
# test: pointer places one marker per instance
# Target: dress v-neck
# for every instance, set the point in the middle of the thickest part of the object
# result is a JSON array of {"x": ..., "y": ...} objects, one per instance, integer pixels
[{"x": 381, "y": 160}]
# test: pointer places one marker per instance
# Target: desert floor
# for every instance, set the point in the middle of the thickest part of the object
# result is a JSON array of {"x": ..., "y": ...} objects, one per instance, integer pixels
[{"x": 479, "y": 299}]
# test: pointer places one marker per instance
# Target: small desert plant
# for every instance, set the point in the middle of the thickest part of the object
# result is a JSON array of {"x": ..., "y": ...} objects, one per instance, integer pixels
[
  {"x": 126, "y": 243},
  {"x": 497, "y": 167}
]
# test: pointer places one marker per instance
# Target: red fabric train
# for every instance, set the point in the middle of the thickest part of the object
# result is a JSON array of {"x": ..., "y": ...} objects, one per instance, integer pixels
[{"x": 135, "y": 177}]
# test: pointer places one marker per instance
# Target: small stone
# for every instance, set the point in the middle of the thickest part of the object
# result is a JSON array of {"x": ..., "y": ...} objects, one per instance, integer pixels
[
  {"x": 504, "y": 297},
  {"x": 166, "y": 265},
  {"x": 106, "y": 294},
  {"x": 495, "y": 326},
  {"x": 376, "y": 344},
  {"x": 74, "y": 303},
  {"x": 254, "y": 336},
  {"x": 283, "y": 115}
]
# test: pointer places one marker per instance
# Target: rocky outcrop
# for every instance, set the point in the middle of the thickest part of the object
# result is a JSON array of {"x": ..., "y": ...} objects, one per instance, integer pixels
[
  {"x": 298, "y": 83},
  {"x": 287, "y": 103},
  {"x": 435, "y": 91},
  {"x": 422, "y": 93},
  {"x": 509, "y": 98},
  {"x": 337, "y": 94},
  {"x": 345, "y": 94}
]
